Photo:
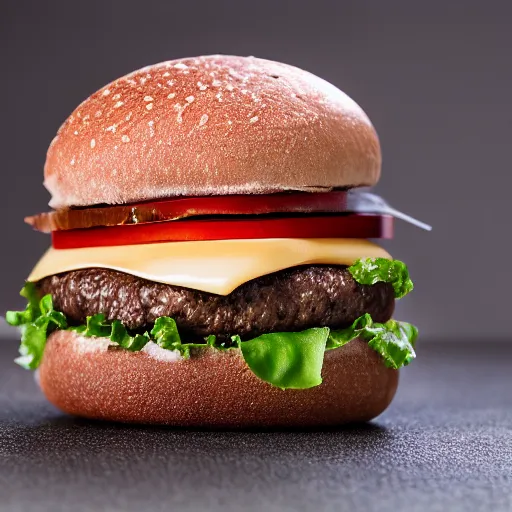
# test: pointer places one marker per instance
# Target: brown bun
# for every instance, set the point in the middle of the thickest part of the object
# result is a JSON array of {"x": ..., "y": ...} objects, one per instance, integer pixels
[
  {"x": 212, "y": 125},
  {"x": 86, "y": 378}
]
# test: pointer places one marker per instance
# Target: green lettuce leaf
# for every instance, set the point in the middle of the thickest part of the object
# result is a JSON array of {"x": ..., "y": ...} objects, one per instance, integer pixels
[
  {"x": 165, "y": 333},
  {"x": 393, "y": 340},
  {"x": 120, "y": 335},
  {"x": 36, "y": 322},
  {"x": 374, "y": 270},
  {"x": 98, "y": 326},
  {"x": 288, "y": 360},
  {"x": 31, "y": 312}
]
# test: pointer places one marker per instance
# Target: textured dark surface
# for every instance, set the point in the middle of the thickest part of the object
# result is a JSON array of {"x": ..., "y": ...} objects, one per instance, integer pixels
[
  {"x": 289, "y": 300},
  {"x": 445, "y": 444}
]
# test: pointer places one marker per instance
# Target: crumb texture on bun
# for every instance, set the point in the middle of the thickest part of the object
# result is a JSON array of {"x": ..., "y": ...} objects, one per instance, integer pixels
[
  {"x": 87, "y": 377},
  {"x": 213, "y": 125}
]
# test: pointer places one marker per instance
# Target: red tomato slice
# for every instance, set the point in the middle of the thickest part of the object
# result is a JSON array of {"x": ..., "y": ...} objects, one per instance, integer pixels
[{"x": 353, "y": 225}]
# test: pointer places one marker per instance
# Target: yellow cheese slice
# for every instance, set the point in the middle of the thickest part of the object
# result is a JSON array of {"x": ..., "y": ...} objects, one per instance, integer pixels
[{"x": 212, "y": 266}]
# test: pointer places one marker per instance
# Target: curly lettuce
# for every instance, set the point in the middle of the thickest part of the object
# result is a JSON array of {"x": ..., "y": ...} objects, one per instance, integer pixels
[
  {"x": 36, "y": 323},
  {"x": 393, "y": 340},
  {"x": 374, "y": 270}
]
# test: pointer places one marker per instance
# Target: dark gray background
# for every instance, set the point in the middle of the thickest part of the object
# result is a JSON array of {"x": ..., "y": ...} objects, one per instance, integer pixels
[{"x": 435, "y": 78}]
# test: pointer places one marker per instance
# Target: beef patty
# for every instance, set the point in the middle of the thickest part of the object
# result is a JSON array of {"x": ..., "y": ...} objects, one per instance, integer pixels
[{"x": 290, "y": 300}]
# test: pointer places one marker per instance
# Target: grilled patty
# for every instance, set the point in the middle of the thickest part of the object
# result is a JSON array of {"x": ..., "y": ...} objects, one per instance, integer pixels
[{"x": 290, "y": 300}]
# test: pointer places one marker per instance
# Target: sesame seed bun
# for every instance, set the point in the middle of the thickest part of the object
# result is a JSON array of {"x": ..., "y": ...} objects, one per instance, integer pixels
[
  {"x": 91, "y": 378},
  {"x": 212, "y": 125}
]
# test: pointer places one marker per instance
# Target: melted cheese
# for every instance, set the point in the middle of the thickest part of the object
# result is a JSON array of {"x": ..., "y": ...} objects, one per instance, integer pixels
[{"x": 213, "y": 266}]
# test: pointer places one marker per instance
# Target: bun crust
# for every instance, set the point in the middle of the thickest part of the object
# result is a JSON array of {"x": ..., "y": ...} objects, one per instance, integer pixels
[
  {"x": 87, "y": 377},
  {"x": 213, "y": 125}
]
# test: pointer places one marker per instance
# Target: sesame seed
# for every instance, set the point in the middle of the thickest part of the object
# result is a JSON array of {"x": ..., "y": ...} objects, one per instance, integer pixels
[
  {"x": 151, "y": 129},
  {"x": 93, "y": 143},
  {"x": 119, "y": 104},
  {"x": 149, "y": 106},
  {"x": 125, "y": 138},
  {"x": 148, "y": 98},
  {"x": 166, "y": 74},
  {"x": 98, "y": 113},
  {"x": 204, "y": 119},
  {"x": 202, "y": 87},
  {"x": 116, "y": 96},
  {"x": 216, "y": 83},
  {"x": 253, "y": 119},
  {"x": 229, "y": 87},
  {"x": 180, "y": 65},
  {"x": 112, "y": 128},
  {"x": 114, "y": 172},
  {"x": 190, "y": 99},
  {"x": 75, "y": 132},
  {"x": 106, "y": 92},
  {"x": 170, "y": 83},
  {"x": 171, "y": 95},
  {"x": 129, "y": 116},
  {"x": 180, "y": 110},
  {"x": 72, "y": 161}
]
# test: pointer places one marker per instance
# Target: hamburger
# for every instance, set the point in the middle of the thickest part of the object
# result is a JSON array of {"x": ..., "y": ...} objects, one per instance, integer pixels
[{"x": 210, "y": 262}]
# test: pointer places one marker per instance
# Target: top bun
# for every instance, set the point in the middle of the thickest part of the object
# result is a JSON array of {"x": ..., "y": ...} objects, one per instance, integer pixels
[{"x": 213, "y": 125}]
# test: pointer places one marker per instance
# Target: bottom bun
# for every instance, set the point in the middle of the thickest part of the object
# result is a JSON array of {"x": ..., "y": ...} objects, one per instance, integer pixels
[{"x": 92, "y": 378}]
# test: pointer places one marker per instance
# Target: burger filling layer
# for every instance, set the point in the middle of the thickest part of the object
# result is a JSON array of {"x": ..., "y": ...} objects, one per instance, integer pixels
[
  {"x": 290, "y": 300},
  {"x": 282, "y": 323}
]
